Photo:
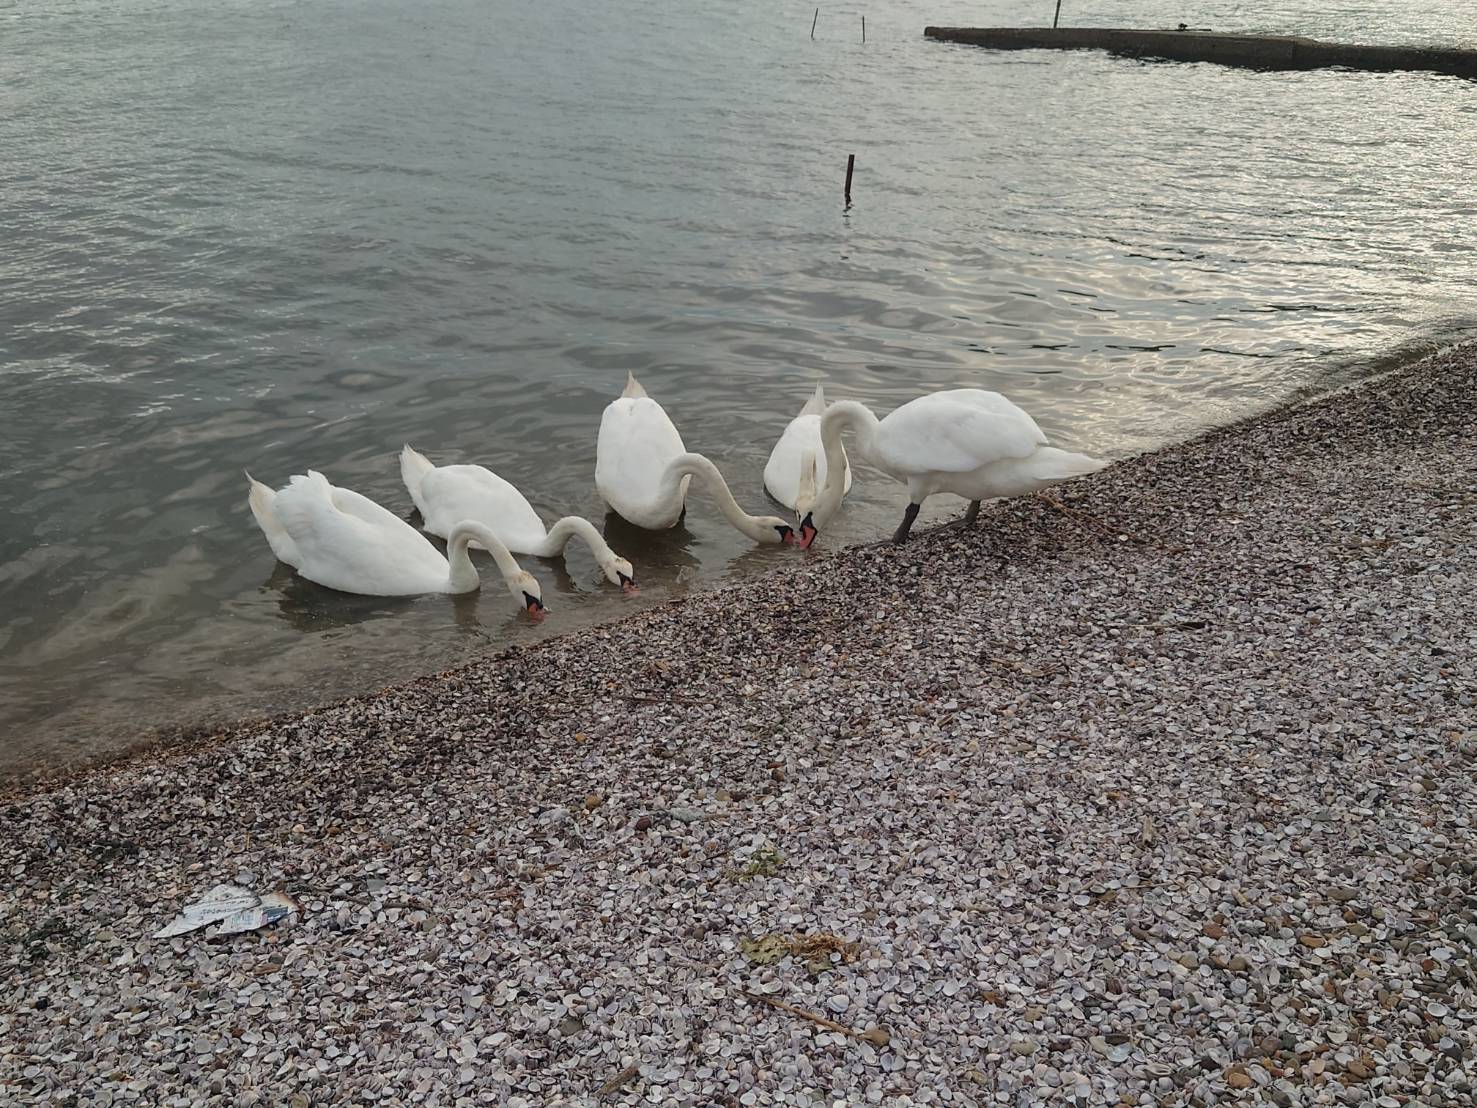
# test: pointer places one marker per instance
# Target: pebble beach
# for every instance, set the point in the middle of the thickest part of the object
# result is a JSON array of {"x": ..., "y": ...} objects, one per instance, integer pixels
[{"x": 1161, "y": 795}]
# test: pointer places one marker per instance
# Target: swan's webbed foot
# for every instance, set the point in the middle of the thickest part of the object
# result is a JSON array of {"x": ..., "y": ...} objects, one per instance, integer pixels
[{"x": 901, "y": 534}]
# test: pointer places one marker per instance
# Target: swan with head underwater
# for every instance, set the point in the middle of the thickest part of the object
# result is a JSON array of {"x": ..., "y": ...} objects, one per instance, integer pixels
[
  {"x": 801, "y": 439},
  {"x": 342, "y": 540},
  {"x": 969, "y": 442},
  {"x": 642, "y": 470},
  {"x": 447, "y": 495}
]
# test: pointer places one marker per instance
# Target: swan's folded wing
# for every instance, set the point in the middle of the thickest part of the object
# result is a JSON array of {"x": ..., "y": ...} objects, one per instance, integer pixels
[
  {"x": 636, "y": 444},
  {"x": 994, "y": 402},
  {"x": 361, "y": 507},
  {"x": 321, "y": 517},
  {"x": 457, "y": 492},
  {"x": 311, "y": 514},
  {"x": 782, "y": 472},
  {"x": 947, "y": 436}
]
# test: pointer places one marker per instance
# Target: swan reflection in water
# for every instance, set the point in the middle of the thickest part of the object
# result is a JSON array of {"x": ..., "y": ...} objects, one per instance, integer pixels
[
  {"x": 672, "y": 560},
  {"x": 310, "y": 608}
]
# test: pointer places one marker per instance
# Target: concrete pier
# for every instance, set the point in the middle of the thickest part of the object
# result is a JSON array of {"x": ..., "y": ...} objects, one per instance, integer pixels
[{"x": 1248, "y": 51}]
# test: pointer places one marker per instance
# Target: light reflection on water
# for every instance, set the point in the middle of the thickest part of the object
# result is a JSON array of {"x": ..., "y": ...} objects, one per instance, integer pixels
[{"x": 273, "y": 236}]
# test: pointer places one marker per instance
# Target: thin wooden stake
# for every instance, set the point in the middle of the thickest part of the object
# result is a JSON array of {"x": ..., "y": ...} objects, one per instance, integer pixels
[
  {"x": 864, "y": 28},
  {"x": 818, "y": 15},
  {"x": 850, "y": 165},
  {"x": 1054, "y": 18}
]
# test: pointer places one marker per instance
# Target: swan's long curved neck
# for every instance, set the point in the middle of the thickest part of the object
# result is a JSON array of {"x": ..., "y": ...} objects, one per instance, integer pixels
[
  {"x": 464, "y": 576},
  {"x": 695, "y": 465},
  {"x": 839, "y": 416},
  {"x": 573, "y": 527}
]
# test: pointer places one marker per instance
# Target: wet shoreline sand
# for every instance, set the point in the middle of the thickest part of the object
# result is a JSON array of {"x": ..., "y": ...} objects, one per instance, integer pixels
[{"x": 1155, "y": 800}]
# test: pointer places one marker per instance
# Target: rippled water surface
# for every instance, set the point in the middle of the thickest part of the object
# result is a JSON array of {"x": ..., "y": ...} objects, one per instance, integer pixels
[{"x": 275, "y": 235}]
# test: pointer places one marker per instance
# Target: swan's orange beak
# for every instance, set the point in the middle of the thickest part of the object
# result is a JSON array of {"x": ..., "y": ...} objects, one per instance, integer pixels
[
  {"x": 536, "y": 610},
  {"x": 628, "y": 586},
  {"x": 808, "y": 532}
]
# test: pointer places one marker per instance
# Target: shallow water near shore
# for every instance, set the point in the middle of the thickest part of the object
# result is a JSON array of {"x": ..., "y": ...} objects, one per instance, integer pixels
[{"x": 274, "y": 236}]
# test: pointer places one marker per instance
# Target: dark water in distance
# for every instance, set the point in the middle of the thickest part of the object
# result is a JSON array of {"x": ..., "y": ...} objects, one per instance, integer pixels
[{"x": 274, "y": 235}]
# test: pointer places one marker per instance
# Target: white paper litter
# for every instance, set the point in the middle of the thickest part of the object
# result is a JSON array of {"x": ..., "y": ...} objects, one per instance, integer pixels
[
  {"x": 235, "y": 908},
  {"x": 273, "y": 906}
]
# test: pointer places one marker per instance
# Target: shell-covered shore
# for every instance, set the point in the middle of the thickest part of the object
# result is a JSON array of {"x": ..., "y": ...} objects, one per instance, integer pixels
[{"x": 1162, "y": 796}]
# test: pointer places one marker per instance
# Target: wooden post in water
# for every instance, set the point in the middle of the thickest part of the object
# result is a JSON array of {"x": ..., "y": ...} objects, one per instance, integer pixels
[
  {"x": 813, "y": 22},
  {"x": 1054, "y": 18},
  {"x": 850, "y": 165},
  {"x": 864, "y": 28}
]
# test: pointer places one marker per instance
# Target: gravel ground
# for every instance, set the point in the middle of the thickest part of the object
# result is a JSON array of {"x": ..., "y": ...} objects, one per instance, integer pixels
[{"x": 1165, "y": 799}]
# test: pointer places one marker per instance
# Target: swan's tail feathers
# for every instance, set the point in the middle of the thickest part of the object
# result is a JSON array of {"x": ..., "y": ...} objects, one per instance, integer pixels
[
  {"x": 816, "y": 405},
  {"x": 313, "y": 482},
  {"x": 413, "y": 469},
  {"x": 263, "y": 503},
  {"x": 633, "y": 388},
  {"x": 1051, "y": 464},
  {"x": 261, "y": 497},
  {"x": 307, "y": 489}
]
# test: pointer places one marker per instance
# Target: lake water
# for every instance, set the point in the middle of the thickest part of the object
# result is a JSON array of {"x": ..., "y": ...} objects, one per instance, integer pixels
[{"x": 274, "y": 235}]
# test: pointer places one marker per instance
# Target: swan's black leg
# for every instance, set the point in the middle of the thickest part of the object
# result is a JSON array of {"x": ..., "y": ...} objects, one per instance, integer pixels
[
  {"x": 973, "y": 513},
  {"x": 901, "y": 534}
]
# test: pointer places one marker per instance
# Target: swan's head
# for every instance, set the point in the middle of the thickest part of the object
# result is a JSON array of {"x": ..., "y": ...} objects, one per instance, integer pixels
[
  {"x": 774, "y": 529},
  {"x": 620, "y": 572},
  {"x": 525, "y": 589},
  {"x": 808, "y": 530}
]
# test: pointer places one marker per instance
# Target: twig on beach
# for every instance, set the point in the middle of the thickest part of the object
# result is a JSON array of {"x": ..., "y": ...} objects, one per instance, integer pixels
[
  {"x": 1020, "y": 668},
  {"x": 670, "y": 699},
  {"x": 1056, "y": 505},
  {"x": 814, "y": 1017},
  {"x": 615, "y": 1084}
]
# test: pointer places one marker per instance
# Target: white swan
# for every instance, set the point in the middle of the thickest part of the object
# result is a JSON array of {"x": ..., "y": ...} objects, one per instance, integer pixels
[
  {"x": 642, "y": 470},
  {"x": 345, "y": 541},
  {"x": 801, "y": 436},
  {"x": 446, "y": 495},
  {"x": 969, "y": 442}
]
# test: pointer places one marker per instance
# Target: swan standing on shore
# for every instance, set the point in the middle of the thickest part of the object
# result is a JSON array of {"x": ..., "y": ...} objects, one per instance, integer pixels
[
  {"x": 447, "y": 495},
  {"x": 341, "y": 540},
  {"x": 802, "y": 435},
  {"x": 968, "y": 442},
  {"x": 642, "y": 470}
]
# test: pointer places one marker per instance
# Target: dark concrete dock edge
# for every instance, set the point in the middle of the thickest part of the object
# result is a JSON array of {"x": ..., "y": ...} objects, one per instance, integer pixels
[{"x": 1246, "y": 51}]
